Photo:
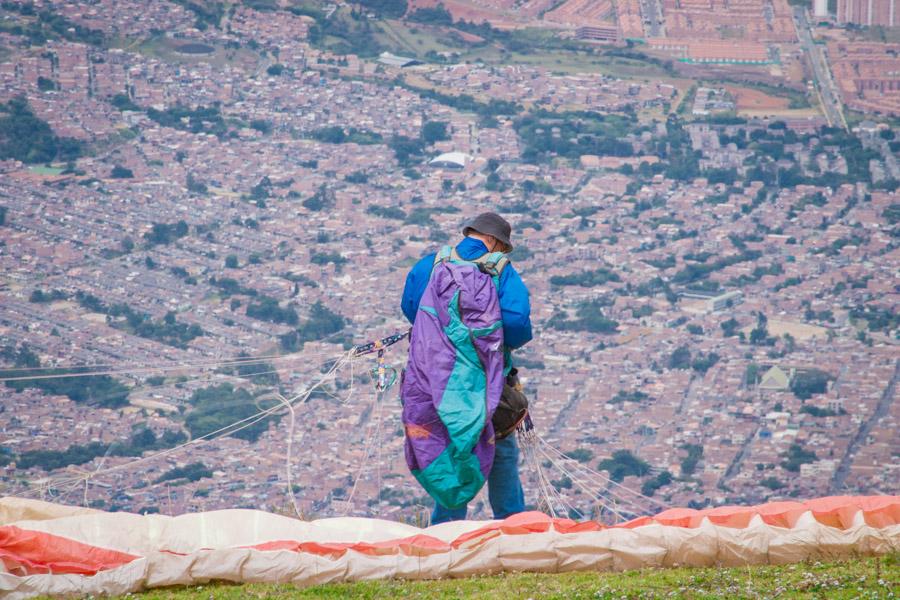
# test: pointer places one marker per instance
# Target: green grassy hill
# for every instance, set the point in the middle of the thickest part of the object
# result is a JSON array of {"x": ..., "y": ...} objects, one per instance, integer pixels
[{"x": 858, "y": 578}]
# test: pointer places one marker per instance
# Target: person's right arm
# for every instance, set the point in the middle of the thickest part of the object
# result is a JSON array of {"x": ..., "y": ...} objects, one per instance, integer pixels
[{"x": 416, "y": 281}]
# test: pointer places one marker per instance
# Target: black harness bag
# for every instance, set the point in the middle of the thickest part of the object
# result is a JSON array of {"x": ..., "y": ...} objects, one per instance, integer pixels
[{"x": 512, "y": 409}]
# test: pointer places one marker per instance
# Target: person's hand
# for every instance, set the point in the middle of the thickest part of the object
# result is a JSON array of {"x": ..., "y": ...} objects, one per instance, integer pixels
[{"x": 512, "y": 380}]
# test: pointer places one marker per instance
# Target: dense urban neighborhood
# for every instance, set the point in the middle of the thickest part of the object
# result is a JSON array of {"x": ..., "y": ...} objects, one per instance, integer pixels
[{"x": 206, "y": 205}]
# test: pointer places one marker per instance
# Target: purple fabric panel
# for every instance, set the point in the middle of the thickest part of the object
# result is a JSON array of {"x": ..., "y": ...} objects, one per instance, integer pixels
[
  {"x": 432, "y": 358},
  {"x": 429, "y": 364}
]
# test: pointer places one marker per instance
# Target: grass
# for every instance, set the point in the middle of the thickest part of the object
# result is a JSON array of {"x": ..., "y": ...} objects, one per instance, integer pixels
[
  {"x": 45, "y": 170},
  {"x": 854, "y": 118},
  {"x": 165, "y": 49},
  {"x": 685, "y": 106},
  {"x": 417, "y": 39},
  {"x": 568, "y": 61},
  {"x": 857, "y": 578},
  {"x": 547, "y": 50}
]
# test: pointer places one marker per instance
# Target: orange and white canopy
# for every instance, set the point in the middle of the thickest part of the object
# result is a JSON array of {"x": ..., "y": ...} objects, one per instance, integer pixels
[{"x": 53, "y": 549}]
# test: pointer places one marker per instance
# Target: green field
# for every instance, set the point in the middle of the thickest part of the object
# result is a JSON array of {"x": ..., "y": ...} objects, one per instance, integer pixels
[
  {"x": 531, "y": 47},
  {"x": 862, "y": 578},
  {"x": 167, "y": 50},
  {"x": 854, "y": 118},
  {"x": 45, "y": 170},
  {"x": 417, "y": 40}
]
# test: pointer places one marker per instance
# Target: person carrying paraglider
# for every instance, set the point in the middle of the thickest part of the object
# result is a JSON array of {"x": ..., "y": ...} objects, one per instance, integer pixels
[{"x": 469, "y": 308}]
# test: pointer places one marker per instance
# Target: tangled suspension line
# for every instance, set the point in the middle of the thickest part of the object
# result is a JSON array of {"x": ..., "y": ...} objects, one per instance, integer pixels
[
  {"x": 45, "y": 486},
  {"x": 538, "y": 455},
  {"x": 608, "y": 495},
  {"x": 384, "y": 377}
]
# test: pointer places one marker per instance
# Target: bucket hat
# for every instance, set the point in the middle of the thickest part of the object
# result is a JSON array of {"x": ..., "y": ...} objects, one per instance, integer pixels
[{"x": 490, "y": 223}]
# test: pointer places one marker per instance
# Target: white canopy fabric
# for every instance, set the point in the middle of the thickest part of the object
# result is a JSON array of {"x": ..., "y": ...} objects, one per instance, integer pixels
[{"x": 53, "y": 549}]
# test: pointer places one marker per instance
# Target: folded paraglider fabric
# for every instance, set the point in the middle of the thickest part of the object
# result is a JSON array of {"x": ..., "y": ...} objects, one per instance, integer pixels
[{"x": 64, "y": 550}]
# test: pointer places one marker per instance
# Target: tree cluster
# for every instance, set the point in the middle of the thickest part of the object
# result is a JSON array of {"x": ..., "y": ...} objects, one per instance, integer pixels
[
  {"x": 267, "y": 309},
  {"x": 693, "y": 272},
  {"x": 39, "y": 296},
  {"x": 629, "y": 396},
  {"x": 623, "y": 464},
  {"x": 689, "y": 463},
  {"x": 797, "y": 455},
  {"x": 322, "y": 323},
  {"x": 219, "y": 407},
  {"x": 467, "y": 103},
  {"x": 231, "y": 287},
  {"x": 166, "y": 233},
  {"x": 208, "y": 13},
  {"x": 587, "y": 279},
  {"x": 192, "y": 472},
  {"x": 386, "y": 212},
  {"x": 322, "y": 199},
  {"x": 335, "y": 134},
  {"x": 93, "y": 390},
  {"x": 390, "y": 9},
  {"x": 25, "y": 137},
  {"x": 877, "y": 318},
  {"x": 572, "y": 136},
  {"x": 49, "y": 25},
  {"x": 202, "y": 119},
  {"x": 808, "y": 382},
  {"x": 121, "y": 316},
  {"x": 649, "y": 487},
  {"x": 589, "y": 317},
  {"x": 437, "y": 15}
]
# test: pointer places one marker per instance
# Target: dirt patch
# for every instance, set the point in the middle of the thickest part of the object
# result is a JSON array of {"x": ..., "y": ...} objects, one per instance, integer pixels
[
  {"x": 153, "y": 404},
  {"x": 750, "y": 99},
  {"x": 799, "y": 331},
  {"x": 469, "y": 38},
  {"x": 500, "y": 13}
]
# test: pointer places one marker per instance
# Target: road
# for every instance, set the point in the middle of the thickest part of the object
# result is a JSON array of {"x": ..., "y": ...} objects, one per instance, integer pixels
[
  {"x": 829, "y": 96},
  {"x": 735, "y": 466},
  {"x": 881, "y": 410},
  {"x": 651, "y": 11}
]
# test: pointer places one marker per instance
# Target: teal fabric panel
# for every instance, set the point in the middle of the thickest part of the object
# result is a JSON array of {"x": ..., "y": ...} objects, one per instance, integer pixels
[
  {"x": 462, "y": 408},
  {"x": 451, "y": 483}
]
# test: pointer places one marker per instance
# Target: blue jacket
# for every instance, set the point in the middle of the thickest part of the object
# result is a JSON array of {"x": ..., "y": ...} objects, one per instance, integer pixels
[{"x": 515, "y": 308}]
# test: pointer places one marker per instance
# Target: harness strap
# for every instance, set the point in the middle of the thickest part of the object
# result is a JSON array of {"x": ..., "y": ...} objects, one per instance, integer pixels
[{"x": 491, "y": 263}]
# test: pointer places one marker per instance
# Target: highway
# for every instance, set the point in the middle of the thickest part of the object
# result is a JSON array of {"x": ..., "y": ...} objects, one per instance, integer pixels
[{"x": 829, "y": 96}]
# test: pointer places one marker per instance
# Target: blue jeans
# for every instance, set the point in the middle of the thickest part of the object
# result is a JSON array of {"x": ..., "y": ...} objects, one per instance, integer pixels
[{"x": 504, "y": 488}]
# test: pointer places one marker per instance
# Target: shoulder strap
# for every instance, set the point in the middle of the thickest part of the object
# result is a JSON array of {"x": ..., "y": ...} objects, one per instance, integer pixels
[
  {"x": 491, "y": 263},
  {"x": 446, "y": 253}
]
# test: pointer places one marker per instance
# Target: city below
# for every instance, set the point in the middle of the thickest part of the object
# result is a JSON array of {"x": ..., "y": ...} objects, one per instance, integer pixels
[{"x": 205, "y": 205}]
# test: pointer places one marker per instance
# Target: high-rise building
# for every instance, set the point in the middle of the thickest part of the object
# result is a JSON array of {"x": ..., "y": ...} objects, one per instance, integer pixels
[
  {"x": 820, "y": 8},
  {"x": 869, "y": 12}
]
